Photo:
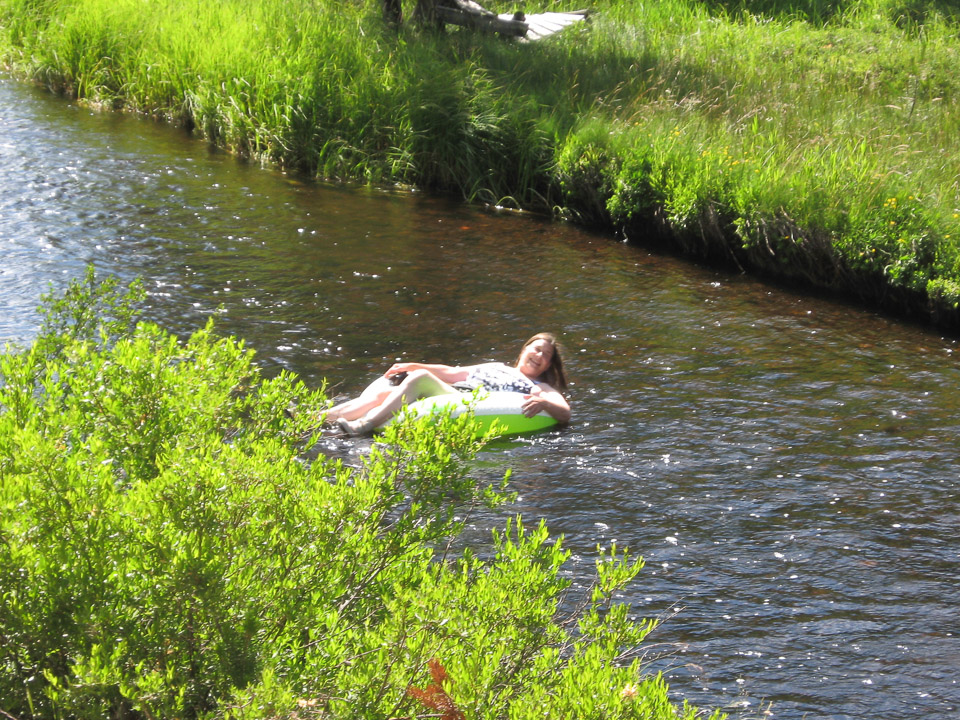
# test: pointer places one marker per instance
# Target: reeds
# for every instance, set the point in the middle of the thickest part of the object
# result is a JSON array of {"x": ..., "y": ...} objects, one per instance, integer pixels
[{"x": 811, "y": 140}]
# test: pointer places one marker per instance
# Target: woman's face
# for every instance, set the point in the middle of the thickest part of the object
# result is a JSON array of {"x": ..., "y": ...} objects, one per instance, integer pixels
[{"x": 535, "y": 358}]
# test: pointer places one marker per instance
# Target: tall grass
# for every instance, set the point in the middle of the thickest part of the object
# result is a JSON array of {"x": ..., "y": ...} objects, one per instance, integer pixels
[
  {"x": 819, "y": 152},
  {"x": 811, "y": 139}
]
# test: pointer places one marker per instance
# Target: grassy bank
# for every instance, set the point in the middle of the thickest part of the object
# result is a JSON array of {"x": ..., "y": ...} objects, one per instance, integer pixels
[
  {"x": 170, "y": 548},
  {"x": 810, "y": 141}
]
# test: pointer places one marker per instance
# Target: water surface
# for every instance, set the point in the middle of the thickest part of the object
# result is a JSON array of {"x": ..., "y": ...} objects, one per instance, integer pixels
[{"x": 787, "y": 466}]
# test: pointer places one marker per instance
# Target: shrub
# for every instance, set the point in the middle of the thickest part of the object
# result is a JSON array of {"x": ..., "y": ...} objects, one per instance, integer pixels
[{"x": 172, "y": 547}]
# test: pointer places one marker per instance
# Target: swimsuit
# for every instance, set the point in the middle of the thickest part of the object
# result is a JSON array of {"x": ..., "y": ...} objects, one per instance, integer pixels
[{"x": 496, "y": 377}]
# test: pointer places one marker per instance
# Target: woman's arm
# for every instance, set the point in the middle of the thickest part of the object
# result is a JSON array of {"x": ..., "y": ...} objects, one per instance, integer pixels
[
  {"x": 447, "y": 373},
  {"x": 548, "y": 400}
]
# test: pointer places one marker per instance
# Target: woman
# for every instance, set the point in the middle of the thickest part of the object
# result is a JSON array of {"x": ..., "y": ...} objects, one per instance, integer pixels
[{"x": 538, "y": 374}]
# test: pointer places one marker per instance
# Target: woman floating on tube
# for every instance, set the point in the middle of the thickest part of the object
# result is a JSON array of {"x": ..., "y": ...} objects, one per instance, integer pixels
[{"x": 537, "y": 374}]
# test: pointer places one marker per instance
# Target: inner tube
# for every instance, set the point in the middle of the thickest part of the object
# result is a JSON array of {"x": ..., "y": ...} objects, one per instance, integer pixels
[{"x": 503, "y": 408}]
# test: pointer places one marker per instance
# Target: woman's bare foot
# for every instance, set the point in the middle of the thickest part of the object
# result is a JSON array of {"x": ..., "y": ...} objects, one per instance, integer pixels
[{"x": 353, "y": 428}]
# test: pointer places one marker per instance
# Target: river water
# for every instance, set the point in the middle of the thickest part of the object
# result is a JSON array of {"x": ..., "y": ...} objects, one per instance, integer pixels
[{"x": 787, "y": 466}]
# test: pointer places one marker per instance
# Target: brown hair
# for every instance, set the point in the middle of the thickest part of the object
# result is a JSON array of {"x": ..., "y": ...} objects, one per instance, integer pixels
[{"x": 555, "y": 376}]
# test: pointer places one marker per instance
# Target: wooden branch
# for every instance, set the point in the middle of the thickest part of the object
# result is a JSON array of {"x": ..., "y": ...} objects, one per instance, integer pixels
[
  {"x": 485, "y": 21},
  {"x": 469, "y": 14}
]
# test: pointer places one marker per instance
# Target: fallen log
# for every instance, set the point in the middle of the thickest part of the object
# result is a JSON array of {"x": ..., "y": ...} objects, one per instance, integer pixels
[
  {"x": 469, "y": 14},
  {"x": 512, "y": 25}
]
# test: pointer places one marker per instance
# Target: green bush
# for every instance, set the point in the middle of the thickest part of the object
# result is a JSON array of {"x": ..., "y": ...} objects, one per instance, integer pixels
[{"x": 171, "y": 546}]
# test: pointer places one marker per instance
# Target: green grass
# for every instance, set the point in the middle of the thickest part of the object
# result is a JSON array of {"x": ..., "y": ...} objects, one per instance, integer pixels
[{"x": 810, "y": 141}]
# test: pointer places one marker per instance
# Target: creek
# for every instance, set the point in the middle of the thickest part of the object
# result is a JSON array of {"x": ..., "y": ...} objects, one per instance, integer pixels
[{"x": 788, "y": 466}]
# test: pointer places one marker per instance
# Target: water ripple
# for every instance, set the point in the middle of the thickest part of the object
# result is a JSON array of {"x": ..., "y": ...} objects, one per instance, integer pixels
[{"x": 786, "y": 466}]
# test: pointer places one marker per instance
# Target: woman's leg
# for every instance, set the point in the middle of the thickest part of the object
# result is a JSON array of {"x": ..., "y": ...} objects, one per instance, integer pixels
[
  {"x": 374, "y": 394},
  {"x": 418, "y": 384}
]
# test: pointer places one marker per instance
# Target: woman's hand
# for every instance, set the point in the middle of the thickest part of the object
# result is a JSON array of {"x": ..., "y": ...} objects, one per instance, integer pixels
[
  {"x": 403, "y": 367},
  {"x": 546, "y": 399},
  {"x": 533, "y": 403}
]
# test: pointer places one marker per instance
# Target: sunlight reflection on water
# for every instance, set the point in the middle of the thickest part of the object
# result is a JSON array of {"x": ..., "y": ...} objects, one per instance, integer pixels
[{"x": 787, "y": 466}]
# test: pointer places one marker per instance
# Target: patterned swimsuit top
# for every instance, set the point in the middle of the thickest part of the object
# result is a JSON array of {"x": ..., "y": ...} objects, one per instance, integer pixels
[{"x": 496, "y": 377}]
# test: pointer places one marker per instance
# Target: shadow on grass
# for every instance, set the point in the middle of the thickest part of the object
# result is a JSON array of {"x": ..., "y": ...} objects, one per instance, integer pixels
[{"x": 819, "y": 12}]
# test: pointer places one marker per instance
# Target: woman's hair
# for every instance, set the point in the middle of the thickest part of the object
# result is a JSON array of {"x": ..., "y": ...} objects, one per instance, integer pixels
[{"x": 555, "y": 376}]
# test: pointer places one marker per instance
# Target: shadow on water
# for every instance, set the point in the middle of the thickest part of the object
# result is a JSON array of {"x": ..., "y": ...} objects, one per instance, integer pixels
[{"x": 787, "y": 466}]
